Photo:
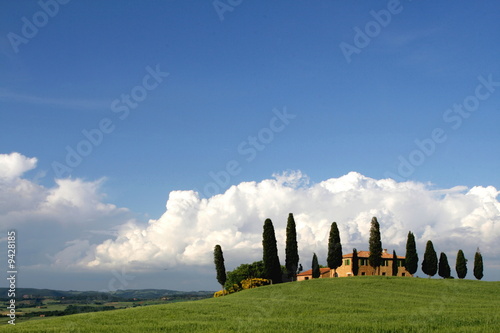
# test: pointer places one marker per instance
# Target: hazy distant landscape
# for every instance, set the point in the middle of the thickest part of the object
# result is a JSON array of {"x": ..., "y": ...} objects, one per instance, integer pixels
[{"x": 43, "y": 303}]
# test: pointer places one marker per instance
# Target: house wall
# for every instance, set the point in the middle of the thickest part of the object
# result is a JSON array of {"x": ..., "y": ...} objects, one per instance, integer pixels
[{"x": 366, "y": 269}]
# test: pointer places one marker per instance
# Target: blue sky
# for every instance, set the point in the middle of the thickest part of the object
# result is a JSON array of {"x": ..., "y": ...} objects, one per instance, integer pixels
[{"x": 229, "y": 74}]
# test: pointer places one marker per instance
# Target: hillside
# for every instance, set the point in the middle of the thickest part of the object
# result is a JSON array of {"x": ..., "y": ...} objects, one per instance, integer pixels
[{"x": 357, "y": 304}]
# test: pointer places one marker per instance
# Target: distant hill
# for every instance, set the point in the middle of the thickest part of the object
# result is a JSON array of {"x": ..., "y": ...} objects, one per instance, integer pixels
[
  {"x": 156, "y": 293},
  {"x": 355, "y": 304},
  {"x": 118, "y": 294}
]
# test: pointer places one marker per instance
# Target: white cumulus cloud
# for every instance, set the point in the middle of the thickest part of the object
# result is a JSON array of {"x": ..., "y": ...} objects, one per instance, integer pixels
[
  {"x": 191, "y": 226},
  {"x": 14, "y": 165},
  {"x": 73, "y": 211}
]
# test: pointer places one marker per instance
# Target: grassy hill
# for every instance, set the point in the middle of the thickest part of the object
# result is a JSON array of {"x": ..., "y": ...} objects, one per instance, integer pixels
[{"x": 356, "y": 304}]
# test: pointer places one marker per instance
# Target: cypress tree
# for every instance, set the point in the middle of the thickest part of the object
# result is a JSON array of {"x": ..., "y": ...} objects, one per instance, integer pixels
[
  {"x": 394, "y": 263},
  {"x": 411, "y": 259},
  {"x": 315, "y": 267},
  {"x": 355, "y": 262},
  {"x": 444, "y": 270},
  {"x": 291, "y": 250},
  {"x": 375, "y": 258},
  {"x": 430, "y": 263},
  {"x": 461, "y": 265},
  {"x": 272, "y": 267},
  {"x": 334, "y": 258},
  {"x": 219, "y": 265},
  {"x": 478, "y": 265}
]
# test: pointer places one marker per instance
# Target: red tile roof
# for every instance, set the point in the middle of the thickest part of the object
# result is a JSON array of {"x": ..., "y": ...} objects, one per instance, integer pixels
[{"x": 309, "y": 272}]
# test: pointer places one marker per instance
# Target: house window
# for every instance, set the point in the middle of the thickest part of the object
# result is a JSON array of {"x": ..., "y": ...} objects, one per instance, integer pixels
[
  {"x": 306, "y": 278},
  {"x": 403, "y": 274},
  {"x": 347, "y": 262},
  {"x": 383, "y": 273},
  {"x": 363, "y": 273}
]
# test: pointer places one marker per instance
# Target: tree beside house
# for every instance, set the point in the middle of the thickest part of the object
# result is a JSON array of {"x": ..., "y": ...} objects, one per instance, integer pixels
[
  {"x": 334, "y": 259},
  {"x": 375, "y": 245}
]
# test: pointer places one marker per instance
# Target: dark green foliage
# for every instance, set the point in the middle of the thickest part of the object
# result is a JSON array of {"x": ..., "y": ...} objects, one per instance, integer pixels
[
  {"x": 444, "y": 270},
  {"x": 272, "y": 267},
  {"x": 219, "y": 265},
  {"x": 245, "y": 271},
  {"x": 478, "y": 265},
  {"x": 430, "y": 263},
  {"x": 461, "y": 265},
  {"x": 411, "y": 259},
  {"x": 375, "y": 258},
  {"x": 334, "y": 258},
  {"x": 394, "y": 263},
  {"x": 355, "y": 262},
  {"x": 291, "y": 250},
  {"x": 316, "y": 272}
]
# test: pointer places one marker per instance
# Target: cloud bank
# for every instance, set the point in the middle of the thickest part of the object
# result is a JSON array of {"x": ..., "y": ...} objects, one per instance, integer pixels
[
  {"x": 71, "y": 225},
  {"x": 187, "y": 232},
  {"x": 49, "y": 220}
]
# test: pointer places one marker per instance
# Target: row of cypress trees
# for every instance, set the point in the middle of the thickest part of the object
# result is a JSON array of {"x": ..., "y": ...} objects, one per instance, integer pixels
[
  {"x": 272, "y": 267},
  {"x": 431, "y": 265}
]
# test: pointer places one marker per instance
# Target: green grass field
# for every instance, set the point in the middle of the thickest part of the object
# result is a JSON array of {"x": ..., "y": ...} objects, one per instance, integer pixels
[{"x": 356, "y": 304}]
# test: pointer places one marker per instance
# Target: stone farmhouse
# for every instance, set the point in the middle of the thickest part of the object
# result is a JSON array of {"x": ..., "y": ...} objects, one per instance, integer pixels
[{"x": 364, "y": 267}]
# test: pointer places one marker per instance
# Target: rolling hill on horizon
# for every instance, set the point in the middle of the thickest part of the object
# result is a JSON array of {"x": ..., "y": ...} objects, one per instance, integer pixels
[{"x": 122, "y": 294}]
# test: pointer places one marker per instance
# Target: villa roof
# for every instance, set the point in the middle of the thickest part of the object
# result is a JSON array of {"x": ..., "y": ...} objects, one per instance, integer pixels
[{"x": 309, "y": 272}]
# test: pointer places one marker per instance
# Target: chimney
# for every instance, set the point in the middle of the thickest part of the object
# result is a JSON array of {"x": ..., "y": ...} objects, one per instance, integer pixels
[{"x": 384, "y": 251}]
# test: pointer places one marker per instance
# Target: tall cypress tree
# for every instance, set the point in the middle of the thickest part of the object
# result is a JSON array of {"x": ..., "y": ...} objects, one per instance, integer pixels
[
  {"x": 315, "y": 267},
  {"x": 291, "y": 250},
  {"x": 478, "y": 265},
  {"x": 461, "y": 265},
  {"x": 219, "y": 265},
  {"x": 411, "y": 259},
  {"x": 272, "y": 268},
  {"x": 444, "y": 270},
  {"x": 375, "y": 258},
  {"x": 355, "y": 262},
  {"x": 394, "y": 263},
  {"x": 430, "y": 263},
  {"x": 334, "y": 258}
]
